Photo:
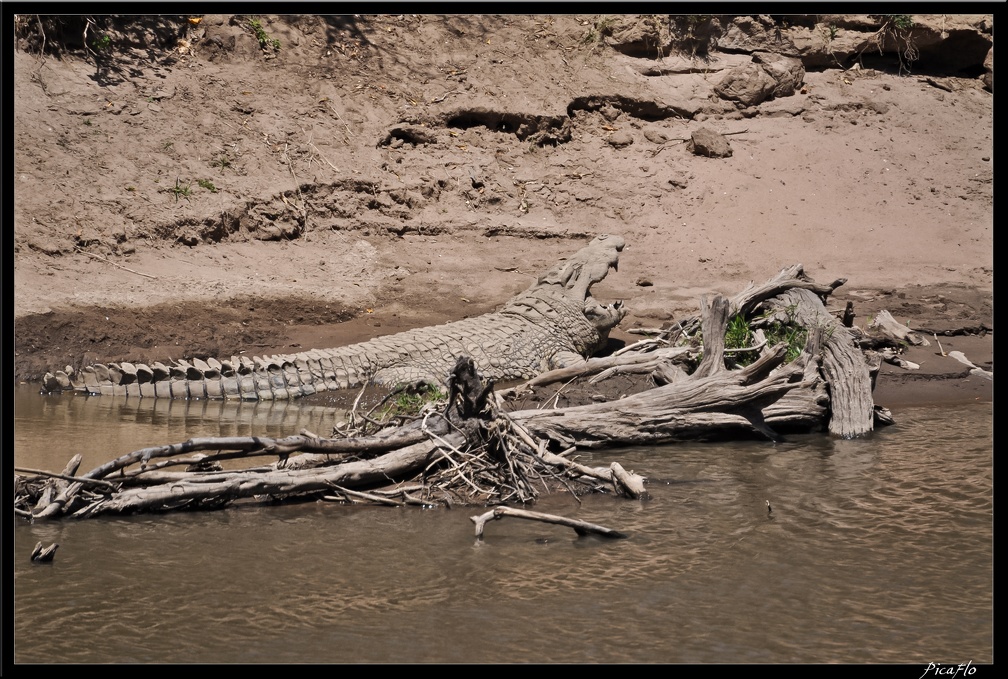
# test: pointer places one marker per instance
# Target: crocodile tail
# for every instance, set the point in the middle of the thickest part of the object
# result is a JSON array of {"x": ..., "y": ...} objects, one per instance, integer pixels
[{"x": 262, "y": 378}]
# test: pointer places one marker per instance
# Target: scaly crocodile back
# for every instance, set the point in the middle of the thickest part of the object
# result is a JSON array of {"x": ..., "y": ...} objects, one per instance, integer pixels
[{"x": 553, "y": 323}]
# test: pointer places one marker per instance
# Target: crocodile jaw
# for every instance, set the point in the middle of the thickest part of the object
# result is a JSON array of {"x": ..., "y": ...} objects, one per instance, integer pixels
[{"x": 604, "y": 317}]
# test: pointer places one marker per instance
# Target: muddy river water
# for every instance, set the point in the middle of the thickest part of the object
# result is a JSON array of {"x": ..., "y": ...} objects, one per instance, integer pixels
[{"x": 876, "y": 550}]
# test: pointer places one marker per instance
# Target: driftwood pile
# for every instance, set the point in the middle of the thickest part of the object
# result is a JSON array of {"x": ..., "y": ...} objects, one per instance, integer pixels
[
  {"x": 476, "y": 449},
  {"x": 469, "y": 453}
]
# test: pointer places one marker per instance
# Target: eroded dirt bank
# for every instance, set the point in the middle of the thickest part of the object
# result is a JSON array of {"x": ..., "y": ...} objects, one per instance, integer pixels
[{"x": 191, "y": 190}]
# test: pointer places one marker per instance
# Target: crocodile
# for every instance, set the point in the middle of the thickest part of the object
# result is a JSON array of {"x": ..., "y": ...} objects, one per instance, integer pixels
[{"x": 554, "y": 323}]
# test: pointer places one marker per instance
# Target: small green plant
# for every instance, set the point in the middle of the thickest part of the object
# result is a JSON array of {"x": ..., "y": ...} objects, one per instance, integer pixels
[
  {"x": 167, "y": 146},
  {"x": 829, "y": 34},
  {"x": 602, "y": 27},
  {"x": 409, "y": 401},
  {"x": 793, "y": 335},
  {"x": 738, "y": 335},
  {"x": 900, "y": 22},
  {"x": 181, "y": 190},
  {"x": 265, "y": 41},
  {"x": 101, "y": 44},
  {"x": 87, "y": 121},
  {"x": 207, "y": 184},
  {"x": 221, "y": 162},
  {"x": 898, "y": 28}
]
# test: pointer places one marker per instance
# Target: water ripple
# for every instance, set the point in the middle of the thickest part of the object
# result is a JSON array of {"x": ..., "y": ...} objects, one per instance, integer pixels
[{"x": 876, "y": 550}]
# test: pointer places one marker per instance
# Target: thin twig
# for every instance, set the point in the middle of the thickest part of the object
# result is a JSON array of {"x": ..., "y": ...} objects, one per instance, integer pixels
[
  {"x": 438, "y": 100},
  {"x": 37, "y": 75},
  {"x": 366, "y": 417},
  {"x": 739, "y": 350},
  {"x": 323, "y": 157},
  {"x": 297, "y": 184},
  {"x": 118, "y": 266},
  {"x": 365, "y": 496},
  {"x": 389, "y": 396},
  {"x": 556, "y": 396},
  {"x": 580, "y": 527},
  {"x": 340, "y": 118},
  {"x": 65, "y": 477},
  {"x": 316, "y": 149}
]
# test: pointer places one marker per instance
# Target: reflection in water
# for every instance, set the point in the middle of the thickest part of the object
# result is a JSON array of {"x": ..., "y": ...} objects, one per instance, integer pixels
[
  {"x": 877, "y": 550},
  {"x": 102, "y": 428}
]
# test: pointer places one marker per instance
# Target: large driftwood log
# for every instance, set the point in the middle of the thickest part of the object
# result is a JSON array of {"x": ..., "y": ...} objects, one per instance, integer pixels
[
  {"x": 712, "y": 403},
  {"x": 838, "y": 380},
  {"x": 843, "y": 365},
  {"x": 723, "y": 405},
  {"x": 222, "y": 448},
  {"x": 745, "y": 302},
  {"x": 623, "y": 362},
  {"x": 794, "y": 297},
  {"x": 226, "y": 487}
]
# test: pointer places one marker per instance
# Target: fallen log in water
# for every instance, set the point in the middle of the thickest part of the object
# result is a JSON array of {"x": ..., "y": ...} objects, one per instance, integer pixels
[
  {"x": 478, "y": 449},
  {"x": 834, "y": 391},
  {"x": 580, "y": 527},
  {"x": 725, "y": 405},
  {"x": 468, "y": 454},
  {"x": 42, "y": 554}
]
